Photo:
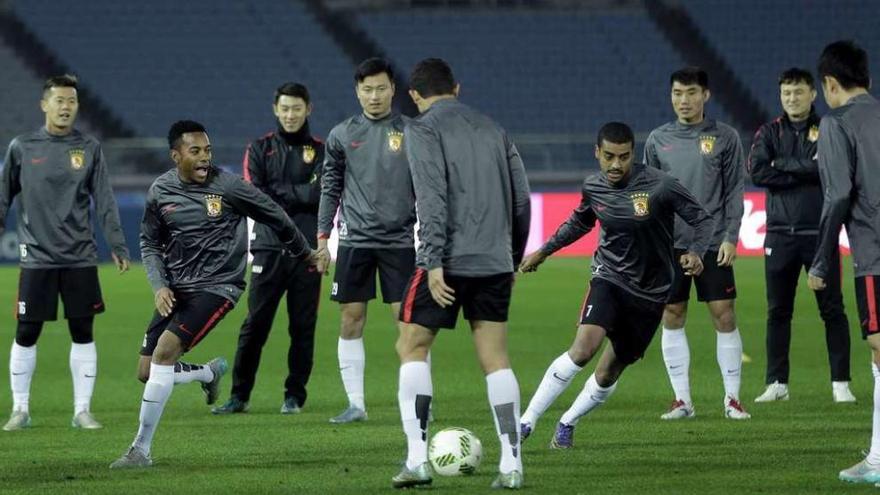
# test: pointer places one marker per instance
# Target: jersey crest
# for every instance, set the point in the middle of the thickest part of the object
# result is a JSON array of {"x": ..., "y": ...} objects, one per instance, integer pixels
[
  {"x": 707, "y": 144},
  {"x": 640, "y": 203},
  {"x": 77, "y": 158},
  {"x": 308, "y": 154},
  {"x": 813, "y": 134},
  {"x": 214, "y": 204},
  {"x": 395, "y": 141}
]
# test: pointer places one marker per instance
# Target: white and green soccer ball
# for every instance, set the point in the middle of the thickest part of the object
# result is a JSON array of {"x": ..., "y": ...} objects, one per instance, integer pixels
[{"x": 455, "y": 452}]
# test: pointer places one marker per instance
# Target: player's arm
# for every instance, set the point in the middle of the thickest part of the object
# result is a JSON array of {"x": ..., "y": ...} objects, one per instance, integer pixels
[
  {"x": 732, "y": 196},
  {"x": 763, "y": 161},
  {"x": 651, "y": 158},
  {"x": 804, "y": 169},
  {"x": 692, "y": 212},
  {"x": 253, "y": 169},
  {"x": 307, "y": 195},
  {"x": 836, "y": 158},
  {"x": 10, "y": 184},
  {"x": 522, "y": 206},
  {"x": 153, "y": 239},
  {"x": 581, "y": 222},
  {"x": 331, "y": 183},
  {"x": 108, "y": 211}
]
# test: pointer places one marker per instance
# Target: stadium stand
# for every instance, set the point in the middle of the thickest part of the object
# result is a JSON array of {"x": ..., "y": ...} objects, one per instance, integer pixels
[{"x": 19, "y": 98}]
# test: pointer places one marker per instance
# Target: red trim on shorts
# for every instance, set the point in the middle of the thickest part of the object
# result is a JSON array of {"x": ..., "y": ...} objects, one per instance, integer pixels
[
  {"x": 210, "y": 324},
  {"x": 411, "y": 295},
  {"x": 872, "y": 303},
  {"x": 584, "y": 305}
]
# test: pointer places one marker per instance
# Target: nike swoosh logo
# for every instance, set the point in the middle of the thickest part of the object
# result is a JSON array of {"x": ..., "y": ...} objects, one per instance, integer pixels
[
  {"x": 18, "y": 374},
  {"x": 733, "y": 371},
  {"x": 563, "y": 380},
  {"x": 357, "y": 144},
  {"x": 676, "y": 366},
  {"x": 666, "y": 148},
  {"x": 150, "y": 401},
  {"x": 37, "y": 161},
  {"x": 90, "y": 376},
  {"x": 600, "y": 208}
]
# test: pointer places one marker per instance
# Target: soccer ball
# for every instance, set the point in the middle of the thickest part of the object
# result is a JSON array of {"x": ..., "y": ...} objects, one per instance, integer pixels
[{"x": 455, "y": 452}]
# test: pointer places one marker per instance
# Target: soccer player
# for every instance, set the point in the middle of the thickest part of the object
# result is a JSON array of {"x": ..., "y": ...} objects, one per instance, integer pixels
[
  {"x": 706, "y": 156},
  {"x": 474, "y": 212},
  {"x": 367, "y": 173},
  {"x": 56, "y": 172},
  {"x": 632, "y": 272},
  {"x": 194, "y": 246},
  {"x": 286, "y": 165},
  {"x": 849, "y": 167},
  {"x": 783, "y": 159}
]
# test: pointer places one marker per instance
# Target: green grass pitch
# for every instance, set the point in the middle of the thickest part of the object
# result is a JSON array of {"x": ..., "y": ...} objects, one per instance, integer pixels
[{"x": 790, "y": 447}]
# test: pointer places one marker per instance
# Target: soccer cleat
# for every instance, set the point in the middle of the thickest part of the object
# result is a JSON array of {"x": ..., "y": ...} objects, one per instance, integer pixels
[
  {"x": 86, "y": 421},
  {"x": 563, "y": 438},
  {"x": 232, "y": 406},
  {"x": 290, "y": 406},
  {"x": 511, "y": 481},
  {"x": 350, "y": 415},
  {"x": 734, "y": 410},
  {"x": 409, "y": 478},
  {"x": 679, "y": 409},
  {"x": 19, "y": 420},
  {"x": 525, "y": 429},
  {"x": 134, "y": 458},
  {"x": 775, "y": 391},
  {"x": 861, "y": 473},
  {"x": 218, "y": 366},
  {"x": 841, "y": 392}
]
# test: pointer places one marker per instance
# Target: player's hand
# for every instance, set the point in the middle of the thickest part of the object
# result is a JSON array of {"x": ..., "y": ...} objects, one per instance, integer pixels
[
  {"x": 323, "y": 260},
  {"x": 815, "y": 283},
  {"x": 726, "y": 254},
  {"x": 122, "y": 264},
  {"x": 531, "y": 262},
  {"x": 165, "y": 301},
  {"x": 691, "y": 264},
  {"x": 443, "y": 294}
]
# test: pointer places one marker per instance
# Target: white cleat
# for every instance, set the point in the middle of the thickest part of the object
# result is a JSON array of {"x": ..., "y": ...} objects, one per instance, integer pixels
[
  {"x": 841, "y": 392},
  {"x": 86, "y": 421},
  {"x": 861, "y": 473},
  {"x": 775, "y": 391},
  {"x": 18, "y": 421},
  {"x": 132, "y": 459},
  {"x": 679, "y": 409},
  {"x": 734, "y": 410}
]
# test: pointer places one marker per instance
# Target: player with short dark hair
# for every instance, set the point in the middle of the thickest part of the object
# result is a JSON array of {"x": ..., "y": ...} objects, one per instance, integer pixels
[
  {"x": 706, "y": 156},
  {"x": 366, "y": 176},
  {"x": 849, "y": 167},
  {"x": 632, "y": 272},
  {"x": 194, "y": 250},
  {"x": 783, "y": 159},
  {"x": 474, "y": 212},
  {"x": 286, "y": 165},
  {"x": 56, "y": 172}
]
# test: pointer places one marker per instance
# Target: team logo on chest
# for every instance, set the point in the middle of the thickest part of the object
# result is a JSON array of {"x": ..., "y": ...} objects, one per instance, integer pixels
[
  {"x": 813, "y": 134},
  {"x": 707, "y": 144},
  {"x": 214, "y": 204},
  {"x": 395, "y": 141},
  {"x": 77, "y": 158},
  {"x": 640, "y": 203},
  {"x": 308, "y": 154}
]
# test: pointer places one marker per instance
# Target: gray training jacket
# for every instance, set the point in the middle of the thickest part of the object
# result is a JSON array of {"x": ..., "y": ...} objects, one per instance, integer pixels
[
  {"x": 707, "y": 158},
  {"x": 194, "y": 236},
  {"x": 55, "y": 177},
  {"x": 849, "y": 167},
  {"x": 366, "y": 171},
  {"x": 472, "y": 194}
]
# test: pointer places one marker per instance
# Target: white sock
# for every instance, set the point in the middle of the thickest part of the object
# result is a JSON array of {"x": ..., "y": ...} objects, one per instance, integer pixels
[
  {"x": 414, "y": 394},
  {"x": 874, "y": 453},
  {"x": 591, "y": 397},
  {"x": 186, "y": 373},
  {"x": 156, "y": 393},
  {"x": 729, "y": 349},
  {"x": 83, "y": 369},
  {"x": 352, "y": 361},
  {"x": 22, "y": 362},
  {"x": 503, "y": 391},
  {"x": 556, "y": 379},
  {"x": 677, "y": 356}
]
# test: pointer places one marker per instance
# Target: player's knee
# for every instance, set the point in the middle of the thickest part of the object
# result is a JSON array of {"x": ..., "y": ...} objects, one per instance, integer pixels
[
  {"x": 81, "y": 329},
  {"x": 352, "y": 322},
  {"x": 27, "y": 333},
  {"x": 674, "y": 315},
  {"x": 606, "y": 377},
  {"x": 725, "y": 319}
]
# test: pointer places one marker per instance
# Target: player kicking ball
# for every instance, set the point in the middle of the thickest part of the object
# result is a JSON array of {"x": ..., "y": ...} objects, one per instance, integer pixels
[
  {"x": 631, "y": 273},
  {"x": 194, "y": 246}
]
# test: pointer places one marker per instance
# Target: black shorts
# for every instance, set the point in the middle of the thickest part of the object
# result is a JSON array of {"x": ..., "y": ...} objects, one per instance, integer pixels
[
  {"x": 629, "y": 321},
  {"x": 194, "y": 315},
  {"x": 868, "y": 301},
  {"x": 716, "y": 283},
  {"x": 482, "y": 298},
  {"x": 355, "y": 277},
  {"x": 39, "y": 288}
]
